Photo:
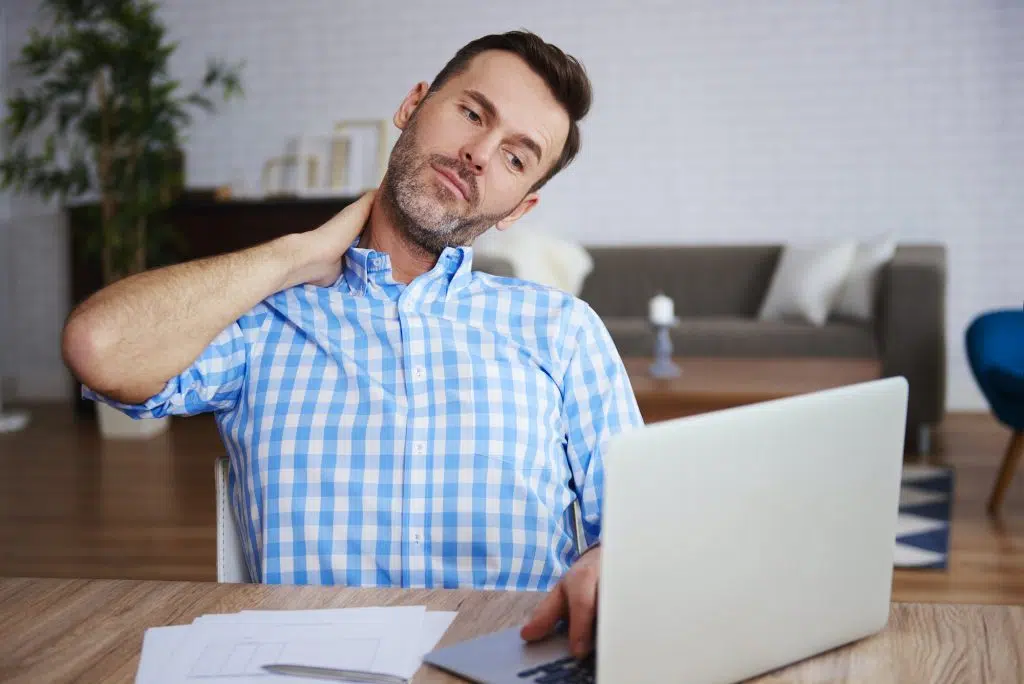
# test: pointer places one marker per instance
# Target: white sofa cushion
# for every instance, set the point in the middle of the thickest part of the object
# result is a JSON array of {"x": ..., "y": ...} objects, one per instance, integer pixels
[
  {"x": 540, "y": 257},
  {"x": 807, "y": 281},
  {"x": 857, "y": 297}
]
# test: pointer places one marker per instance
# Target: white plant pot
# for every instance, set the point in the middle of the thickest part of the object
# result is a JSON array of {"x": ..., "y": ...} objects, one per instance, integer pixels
[{"x": 116, "y": 425}]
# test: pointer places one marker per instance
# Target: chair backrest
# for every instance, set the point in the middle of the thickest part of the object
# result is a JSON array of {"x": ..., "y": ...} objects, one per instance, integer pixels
[{"x": 231, "y": 565}]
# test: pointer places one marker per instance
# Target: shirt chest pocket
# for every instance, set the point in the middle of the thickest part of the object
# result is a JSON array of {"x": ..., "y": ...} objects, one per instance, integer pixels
[
  {"x": 508, "y": 413},
  {"x": 522, "y": 438},
  {"x": 519, "y": 459}
]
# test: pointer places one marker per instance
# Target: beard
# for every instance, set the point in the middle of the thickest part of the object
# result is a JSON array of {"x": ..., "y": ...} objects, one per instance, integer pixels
[{"x": 427, "y": 213}]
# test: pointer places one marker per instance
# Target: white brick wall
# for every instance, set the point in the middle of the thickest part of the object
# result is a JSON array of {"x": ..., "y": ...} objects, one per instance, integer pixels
[
  {"x": 713, "y": 120},
  {"x": 33, "y": 265}
]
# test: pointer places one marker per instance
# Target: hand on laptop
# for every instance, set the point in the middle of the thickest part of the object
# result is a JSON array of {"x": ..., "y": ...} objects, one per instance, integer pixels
[{"x": 574, "y": 598}]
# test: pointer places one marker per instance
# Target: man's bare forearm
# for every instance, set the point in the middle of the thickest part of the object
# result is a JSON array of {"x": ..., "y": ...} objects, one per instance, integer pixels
[{"x": 128, "y": 339}]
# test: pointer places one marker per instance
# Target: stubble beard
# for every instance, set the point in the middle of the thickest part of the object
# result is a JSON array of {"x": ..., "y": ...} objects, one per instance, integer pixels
[{"x": 424, "y": 211}]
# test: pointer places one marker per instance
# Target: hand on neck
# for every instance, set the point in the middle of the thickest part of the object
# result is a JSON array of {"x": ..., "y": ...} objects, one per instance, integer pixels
[{"x": 407, "y": 259}]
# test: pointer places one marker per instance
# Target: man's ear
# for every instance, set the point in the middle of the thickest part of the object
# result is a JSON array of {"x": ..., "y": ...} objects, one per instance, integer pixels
[
  {"x": 528, "y": 203},
  {"x": 408, "y": 107}
]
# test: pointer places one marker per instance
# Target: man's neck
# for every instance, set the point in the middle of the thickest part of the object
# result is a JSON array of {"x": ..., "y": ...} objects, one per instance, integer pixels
[{"x": 407, "y": 260}]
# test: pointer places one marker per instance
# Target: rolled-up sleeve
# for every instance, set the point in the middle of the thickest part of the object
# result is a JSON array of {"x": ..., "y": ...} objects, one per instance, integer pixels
[
  {"x": 598, "y": 404},
  {"x": 213, "y": 382}
]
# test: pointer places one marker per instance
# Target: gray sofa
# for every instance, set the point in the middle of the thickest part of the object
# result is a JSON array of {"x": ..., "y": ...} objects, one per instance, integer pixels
[{"x": 718, "y": 291}]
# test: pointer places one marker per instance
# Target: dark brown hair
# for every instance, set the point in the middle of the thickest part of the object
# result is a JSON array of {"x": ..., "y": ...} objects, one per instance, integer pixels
[{"x": 564, "y": 75}]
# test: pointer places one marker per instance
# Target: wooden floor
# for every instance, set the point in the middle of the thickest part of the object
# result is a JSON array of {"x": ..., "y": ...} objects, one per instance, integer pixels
[{"x": 73, "y": 505}]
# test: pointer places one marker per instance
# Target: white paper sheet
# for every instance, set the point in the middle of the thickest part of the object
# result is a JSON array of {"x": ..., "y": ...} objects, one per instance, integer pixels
[
  {"x": 158, "y": 647},
  {"x": 435, "y": 624},
  {"x": 235, "y": 652},
  {"x": 233, "y": 647}
]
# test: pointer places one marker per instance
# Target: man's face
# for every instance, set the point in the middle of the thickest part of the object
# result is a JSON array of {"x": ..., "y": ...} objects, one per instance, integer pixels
[{"x": 469, "y": 154}]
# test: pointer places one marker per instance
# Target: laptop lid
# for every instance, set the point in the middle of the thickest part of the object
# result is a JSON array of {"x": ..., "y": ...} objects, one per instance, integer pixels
[{"x": 743, "y": 540}]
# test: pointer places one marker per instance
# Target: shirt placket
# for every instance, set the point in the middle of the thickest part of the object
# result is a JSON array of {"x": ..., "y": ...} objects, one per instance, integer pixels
[{"x": 414, "y": 534}]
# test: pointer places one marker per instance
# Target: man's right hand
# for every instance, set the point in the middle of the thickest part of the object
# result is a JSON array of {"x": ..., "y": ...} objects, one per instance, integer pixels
[{"x": 320, "y": 252}]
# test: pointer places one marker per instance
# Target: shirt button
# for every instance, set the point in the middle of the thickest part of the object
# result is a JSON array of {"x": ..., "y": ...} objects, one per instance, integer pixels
[
  {"x": 417, "y": 537},
  {"x": 419, "y": 372},
  {"x": 419, "y": 448}
]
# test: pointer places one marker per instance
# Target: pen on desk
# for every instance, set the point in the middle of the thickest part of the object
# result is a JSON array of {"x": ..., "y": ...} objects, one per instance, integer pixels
[{"x": 335, "y": 674}]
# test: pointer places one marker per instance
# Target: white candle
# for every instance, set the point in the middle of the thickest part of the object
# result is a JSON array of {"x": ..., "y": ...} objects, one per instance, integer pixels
[{"x": 662, "y": 310}]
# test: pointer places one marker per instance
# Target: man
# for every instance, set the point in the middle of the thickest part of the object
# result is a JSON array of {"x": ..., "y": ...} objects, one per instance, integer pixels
[{"x": 392, "y": 417}]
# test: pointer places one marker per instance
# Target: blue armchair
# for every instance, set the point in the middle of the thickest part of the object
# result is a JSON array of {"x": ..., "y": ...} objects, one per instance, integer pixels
[{"x": 995, "y": 351}]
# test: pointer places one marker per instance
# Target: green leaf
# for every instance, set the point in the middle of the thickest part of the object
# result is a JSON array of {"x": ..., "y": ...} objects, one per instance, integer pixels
[
  {"x": 201, "y": 101},
  {"x": 50, "y": 148},
  {"x": 101, "y": 91}
]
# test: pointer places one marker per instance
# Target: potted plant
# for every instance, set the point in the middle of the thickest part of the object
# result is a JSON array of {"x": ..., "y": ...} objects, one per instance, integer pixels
[{"x": 101, "y": 119}]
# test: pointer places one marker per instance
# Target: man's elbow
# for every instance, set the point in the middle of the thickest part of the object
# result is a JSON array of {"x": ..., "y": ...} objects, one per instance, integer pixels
[
  {"x": 84, "y": 346},
  {"x": 89, "y": 350}
]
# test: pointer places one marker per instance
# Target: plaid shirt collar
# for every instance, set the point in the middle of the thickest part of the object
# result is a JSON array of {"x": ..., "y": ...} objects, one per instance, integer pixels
[{"x": 368, "y": 272}]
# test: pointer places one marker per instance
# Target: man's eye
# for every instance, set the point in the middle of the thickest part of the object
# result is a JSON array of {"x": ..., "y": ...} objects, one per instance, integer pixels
[
  {"x": 516, "y": 162},
  {"x": 471, "y": 115}
]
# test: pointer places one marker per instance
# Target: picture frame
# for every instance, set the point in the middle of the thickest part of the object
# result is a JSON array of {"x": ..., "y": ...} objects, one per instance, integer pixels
[
  {"x": 368, "y": 150},
  {"x": 346, "y": 162}
]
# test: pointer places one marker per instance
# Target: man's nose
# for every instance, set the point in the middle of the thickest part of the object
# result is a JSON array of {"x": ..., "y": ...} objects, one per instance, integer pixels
[{"x": 477, "y": 154}]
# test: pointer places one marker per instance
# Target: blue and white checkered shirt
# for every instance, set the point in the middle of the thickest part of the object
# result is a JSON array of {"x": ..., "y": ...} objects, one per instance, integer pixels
[{"x": 433, "y": 434}]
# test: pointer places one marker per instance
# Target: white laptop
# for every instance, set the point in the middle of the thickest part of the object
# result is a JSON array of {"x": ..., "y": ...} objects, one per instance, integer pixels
[{"x": 734, "y": 543}]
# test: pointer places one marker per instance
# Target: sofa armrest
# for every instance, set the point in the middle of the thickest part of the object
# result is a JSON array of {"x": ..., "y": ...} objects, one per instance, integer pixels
[{"x": 911, "y": 328}]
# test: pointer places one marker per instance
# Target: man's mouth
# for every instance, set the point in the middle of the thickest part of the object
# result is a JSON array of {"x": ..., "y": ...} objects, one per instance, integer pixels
[{"x": 453, "y": 180}]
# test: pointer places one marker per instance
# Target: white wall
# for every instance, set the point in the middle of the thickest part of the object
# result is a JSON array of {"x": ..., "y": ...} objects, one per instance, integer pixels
[
  {"x": 34, "y": 288},
  {"x": 713, "y": 121}
]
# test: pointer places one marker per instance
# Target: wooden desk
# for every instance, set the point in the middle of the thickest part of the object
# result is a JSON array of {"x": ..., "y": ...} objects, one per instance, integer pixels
[
  {"x": 91, "y": 630},
  {"x": 710, "y": 384}
]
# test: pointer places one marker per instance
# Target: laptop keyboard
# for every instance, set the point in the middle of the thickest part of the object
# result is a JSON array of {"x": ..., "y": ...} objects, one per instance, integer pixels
[{"x": 567, "y": 670}]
